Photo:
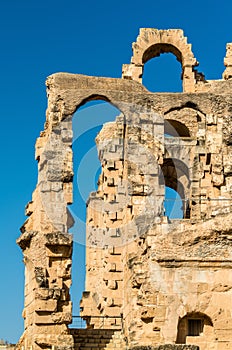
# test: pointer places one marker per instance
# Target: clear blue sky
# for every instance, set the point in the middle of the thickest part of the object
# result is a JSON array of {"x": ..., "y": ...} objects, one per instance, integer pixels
[{"x": 38, "y": 38}]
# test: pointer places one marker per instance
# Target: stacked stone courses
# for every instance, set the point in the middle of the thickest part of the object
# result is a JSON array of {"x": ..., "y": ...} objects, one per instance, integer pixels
[{"x": 161, "y": 283}]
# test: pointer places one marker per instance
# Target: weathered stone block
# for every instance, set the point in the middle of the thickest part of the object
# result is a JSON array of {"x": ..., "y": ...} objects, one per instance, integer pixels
[{"x": 46, "y": 305}]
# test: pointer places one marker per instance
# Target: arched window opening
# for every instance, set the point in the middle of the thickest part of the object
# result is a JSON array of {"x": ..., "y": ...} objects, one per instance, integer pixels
[
  {"x": 174, "y": 128},
  {"x": 163, "y": 74},
  {"x": 175, "y": 176},
  {"x": 193, "y": 325},
  {"x": 186, "y": 120},
  {"x": 87, "y": 123}
]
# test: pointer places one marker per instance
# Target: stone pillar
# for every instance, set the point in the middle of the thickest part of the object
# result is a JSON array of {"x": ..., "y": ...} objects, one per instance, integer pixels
[
  {"x": 132, "y": 72},
  {"x": 46, "y": 243},
  {"x": 188, "y": 79},
  {"x": 228, "y": 62}
]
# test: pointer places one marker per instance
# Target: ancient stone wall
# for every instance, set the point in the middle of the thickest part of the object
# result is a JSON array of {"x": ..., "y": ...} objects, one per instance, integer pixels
[{"x": 161, "y": 281}]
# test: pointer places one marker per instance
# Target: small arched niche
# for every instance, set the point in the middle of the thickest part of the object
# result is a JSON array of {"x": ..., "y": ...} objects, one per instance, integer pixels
[
  {"x": 193, "y": 325},
  {"x": 185, "y": 120}
]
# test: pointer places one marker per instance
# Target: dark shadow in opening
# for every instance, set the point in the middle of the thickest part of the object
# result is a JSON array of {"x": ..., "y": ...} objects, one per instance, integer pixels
[
  {"x": 192, "y": 325},
  {"x": 173, "y": 128}
]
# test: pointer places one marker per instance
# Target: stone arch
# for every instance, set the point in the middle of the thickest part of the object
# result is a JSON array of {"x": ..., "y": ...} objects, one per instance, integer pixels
[
  {"x": 157, "y": 49},
  {"x": 192, "y": 326},
  {"x": 176, "y": 176},
  {"x": 93, "y": 97},
  {"x": 189, "y": 117},
  {"x": 151, "y": 43},
  {"x": 175, "y": 128},
  {"x": 106, "y": 123}
]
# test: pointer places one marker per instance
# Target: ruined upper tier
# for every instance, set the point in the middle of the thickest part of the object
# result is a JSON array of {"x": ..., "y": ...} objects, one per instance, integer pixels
[{"x": 160, "y": 281}]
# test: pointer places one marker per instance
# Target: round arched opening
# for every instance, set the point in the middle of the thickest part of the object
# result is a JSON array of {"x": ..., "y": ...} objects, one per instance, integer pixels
[
  {"x": 157, "y": 49},
  {"x": 163, "y": 74}
]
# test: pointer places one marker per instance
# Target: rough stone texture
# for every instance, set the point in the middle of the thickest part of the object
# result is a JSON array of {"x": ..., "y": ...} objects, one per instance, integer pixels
[
  {"x": 98, "y": 339},
  {"x": 167, "y": 347},
  {"x": 159, "y": 275}
]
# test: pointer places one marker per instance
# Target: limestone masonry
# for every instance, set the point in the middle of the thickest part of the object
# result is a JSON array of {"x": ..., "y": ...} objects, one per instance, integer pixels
[{"x": 151, "y": 282}]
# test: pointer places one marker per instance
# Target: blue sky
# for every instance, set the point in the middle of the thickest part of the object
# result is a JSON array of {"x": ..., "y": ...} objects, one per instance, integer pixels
[{"x": 39, "y": 38}]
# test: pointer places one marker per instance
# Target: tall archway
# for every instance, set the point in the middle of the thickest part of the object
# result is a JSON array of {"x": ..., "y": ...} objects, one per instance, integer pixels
[{"x": 88, "y": 120}]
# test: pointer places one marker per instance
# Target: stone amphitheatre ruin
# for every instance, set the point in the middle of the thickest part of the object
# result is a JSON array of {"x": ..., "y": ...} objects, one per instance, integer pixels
[{"x": 159, "y": 283}]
